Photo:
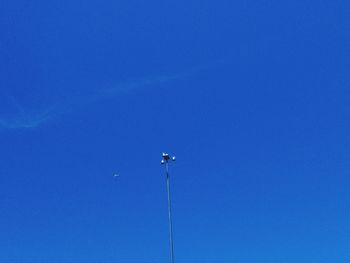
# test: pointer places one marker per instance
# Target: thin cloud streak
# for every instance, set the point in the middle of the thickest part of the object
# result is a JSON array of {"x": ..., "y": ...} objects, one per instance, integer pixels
[
  {"x": 31, "y": 120},
  {"x": 24, "y": 119}
]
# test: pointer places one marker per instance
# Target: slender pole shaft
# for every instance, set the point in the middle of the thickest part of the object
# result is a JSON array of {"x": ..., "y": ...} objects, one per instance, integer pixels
[{"x": 169, "y": 213}]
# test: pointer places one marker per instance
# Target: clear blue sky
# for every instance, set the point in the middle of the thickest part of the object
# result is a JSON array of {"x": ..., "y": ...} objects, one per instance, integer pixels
[{"x": 252, "y": 96}]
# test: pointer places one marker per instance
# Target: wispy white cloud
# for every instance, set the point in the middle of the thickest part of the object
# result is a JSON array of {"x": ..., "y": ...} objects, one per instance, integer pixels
[
  {"x": 26, "y": 119},
  {"x": 135, "y": 84}
]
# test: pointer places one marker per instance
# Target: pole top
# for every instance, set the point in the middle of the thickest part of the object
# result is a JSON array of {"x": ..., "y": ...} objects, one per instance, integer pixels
[{"x": 166, "y": 157}]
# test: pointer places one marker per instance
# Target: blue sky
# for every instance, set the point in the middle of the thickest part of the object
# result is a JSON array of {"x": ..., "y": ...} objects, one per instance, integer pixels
[{"x": 252, "y": 96}]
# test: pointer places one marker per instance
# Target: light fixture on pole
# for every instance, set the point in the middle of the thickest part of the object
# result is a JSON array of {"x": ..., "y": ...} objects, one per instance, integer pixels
[{"x": 165, "y": 160}]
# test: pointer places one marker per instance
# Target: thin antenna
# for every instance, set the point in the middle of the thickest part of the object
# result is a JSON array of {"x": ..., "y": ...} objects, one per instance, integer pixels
[{"x": 165, "y": 160}]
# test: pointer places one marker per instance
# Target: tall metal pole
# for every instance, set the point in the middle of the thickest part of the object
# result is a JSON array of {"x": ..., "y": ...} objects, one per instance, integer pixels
[{"x": 165, "y": 160}]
